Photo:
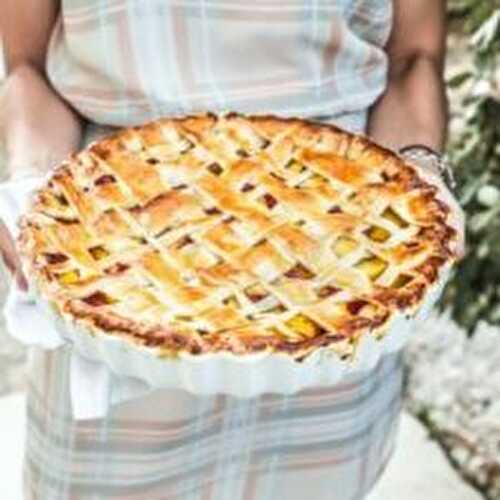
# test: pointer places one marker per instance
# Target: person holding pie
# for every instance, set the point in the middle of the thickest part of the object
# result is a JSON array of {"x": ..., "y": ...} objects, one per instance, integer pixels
[{"x": 76, "y": 71}]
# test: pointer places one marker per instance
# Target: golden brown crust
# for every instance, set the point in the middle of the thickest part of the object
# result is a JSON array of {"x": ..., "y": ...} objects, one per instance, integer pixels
[{"x": 236, "y": 233}]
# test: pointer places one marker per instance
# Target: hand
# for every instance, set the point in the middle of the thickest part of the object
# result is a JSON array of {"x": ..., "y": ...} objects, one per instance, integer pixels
[
  {"x": 39, "y": 128},
  {"x": 10, "y": 256}
]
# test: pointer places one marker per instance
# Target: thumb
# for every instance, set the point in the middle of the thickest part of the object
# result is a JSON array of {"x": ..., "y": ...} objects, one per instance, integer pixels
[{"x": 11, "y": 257}]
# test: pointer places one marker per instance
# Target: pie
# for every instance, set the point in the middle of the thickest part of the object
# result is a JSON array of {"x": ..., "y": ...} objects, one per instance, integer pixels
[{"x": 240, "y": 234}]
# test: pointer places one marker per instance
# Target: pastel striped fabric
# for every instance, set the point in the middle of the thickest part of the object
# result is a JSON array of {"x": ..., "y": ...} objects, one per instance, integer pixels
[
  {"x": 322, "y": 444},
  {"x": 127, "y": 61}
]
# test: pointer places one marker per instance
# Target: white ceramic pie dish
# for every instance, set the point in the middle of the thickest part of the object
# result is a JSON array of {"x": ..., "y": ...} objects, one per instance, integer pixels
[{"x": 242, "y": 376}]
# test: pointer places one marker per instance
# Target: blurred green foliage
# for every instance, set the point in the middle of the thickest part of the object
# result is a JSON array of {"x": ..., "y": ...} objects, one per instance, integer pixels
[
  {"x": 474, "y": 293},
  {"x": 473, "y": 13}
]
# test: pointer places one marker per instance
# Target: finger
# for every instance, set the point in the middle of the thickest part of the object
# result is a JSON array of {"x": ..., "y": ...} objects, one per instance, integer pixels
[
  {"x": 14, "y": 266},
  {"x": 6, "y": 248},
  {"x": 22, "y": 283},
  {"x": 11, "y": 257},
  {"x": 457, "y": 222},
  {"x": 9, "y": 264}
]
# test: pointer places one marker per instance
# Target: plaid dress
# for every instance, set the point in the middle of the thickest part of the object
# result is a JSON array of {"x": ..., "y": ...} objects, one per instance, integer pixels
[
  {"x": 323, "y": 444},
  {"x": 121, "y": 62}
]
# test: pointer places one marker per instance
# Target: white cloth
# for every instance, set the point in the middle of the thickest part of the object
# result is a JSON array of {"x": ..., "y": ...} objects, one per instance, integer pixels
[{"x": 93, "y": 386}]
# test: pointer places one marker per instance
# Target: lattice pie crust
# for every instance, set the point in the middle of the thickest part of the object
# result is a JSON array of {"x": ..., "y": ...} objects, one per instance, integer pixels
[{"x": 241, "y": 234}]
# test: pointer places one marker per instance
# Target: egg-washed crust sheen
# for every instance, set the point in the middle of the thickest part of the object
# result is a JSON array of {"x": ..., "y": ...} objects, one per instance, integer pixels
[{"x": 232, "y": 233}]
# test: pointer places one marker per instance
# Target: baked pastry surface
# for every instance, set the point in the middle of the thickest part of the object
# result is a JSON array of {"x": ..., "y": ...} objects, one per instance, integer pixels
[{"x": 236, "y": 234}]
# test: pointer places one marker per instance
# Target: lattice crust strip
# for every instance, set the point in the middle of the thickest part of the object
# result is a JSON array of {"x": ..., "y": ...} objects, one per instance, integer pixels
[{"x": 236, "y": 233}]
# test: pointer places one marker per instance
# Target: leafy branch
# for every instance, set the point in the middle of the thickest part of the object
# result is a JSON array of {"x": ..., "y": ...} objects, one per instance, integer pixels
[{"x": 474, "y": 293}]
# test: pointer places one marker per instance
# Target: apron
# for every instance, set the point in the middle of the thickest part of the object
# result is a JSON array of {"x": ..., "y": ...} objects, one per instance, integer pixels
[
  {"x": 328, "y": 444},
  {"x": 122, "y": 62}
]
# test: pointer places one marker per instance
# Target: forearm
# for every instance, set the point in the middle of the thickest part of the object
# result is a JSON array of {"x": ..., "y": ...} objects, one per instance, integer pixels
[
  {"x": 414, "y": 107},
  {"x": 38, "y": 128}
]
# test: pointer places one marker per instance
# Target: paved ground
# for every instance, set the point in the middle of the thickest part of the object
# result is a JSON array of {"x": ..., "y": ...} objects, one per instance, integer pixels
[{"x": 418, "y": 471}]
